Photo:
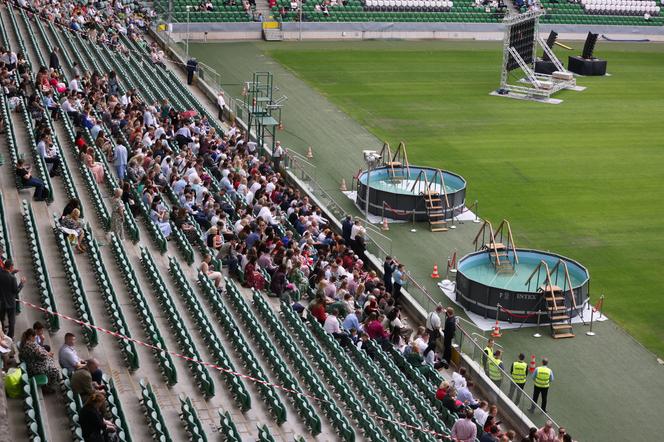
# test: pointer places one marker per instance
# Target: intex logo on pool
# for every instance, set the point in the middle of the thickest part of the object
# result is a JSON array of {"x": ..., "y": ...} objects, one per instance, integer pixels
[{"x": 528, "y": 296}]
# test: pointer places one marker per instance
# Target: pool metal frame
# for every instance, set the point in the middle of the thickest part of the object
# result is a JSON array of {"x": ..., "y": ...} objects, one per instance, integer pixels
[
  {"x": 483, "y": 299},
  {"x": 404, "y": 206}
]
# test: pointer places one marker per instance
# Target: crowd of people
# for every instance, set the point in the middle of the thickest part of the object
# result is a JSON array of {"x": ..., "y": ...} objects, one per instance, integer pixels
[{"x": 267, "y": 232}]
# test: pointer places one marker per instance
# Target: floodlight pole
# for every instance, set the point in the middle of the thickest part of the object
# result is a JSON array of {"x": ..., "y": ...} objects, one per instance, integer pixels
[
  {"x": 187, "y": 40},
  {"x": 300, "y": 20},
  {"x": 366, "y": 196}
]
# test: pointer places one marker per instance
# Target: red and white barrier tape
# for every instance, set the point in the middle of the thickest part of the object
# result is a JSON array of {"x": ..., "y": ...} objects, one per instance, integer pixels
[
  {"x": 510, "y": 313},
  {"x": 220, "y": 368}
]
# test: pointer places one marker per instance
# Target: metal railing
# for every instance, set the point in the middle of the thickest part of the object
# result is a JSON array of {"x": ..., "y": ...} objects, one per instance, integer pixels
[
  {"x": 376, "y": 243},
  {"x": 524, "y": 406}
]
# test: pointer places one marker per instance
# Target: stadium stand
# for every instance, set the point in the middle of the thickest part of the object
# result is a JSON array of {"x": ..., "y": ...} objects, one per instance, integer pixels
[
  {"x": 601, "y": 12},
  {"x": 463, "y": 11},
  {"x": 253, "y": 205}
]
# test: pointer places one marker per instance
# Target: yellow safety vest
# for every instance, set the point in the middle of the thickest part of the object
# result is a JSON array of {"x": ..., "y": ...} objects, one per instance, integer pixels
[
  {"x": 543, "y": 378},
  {"x": 519, "y": 370},
  {"x": 494, "y": 371}
]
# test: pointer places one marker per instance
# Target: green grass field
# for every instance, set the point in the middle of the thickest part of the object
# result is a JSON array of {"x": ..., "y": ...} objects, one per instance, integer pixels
[{"x": 583, "y": 178}]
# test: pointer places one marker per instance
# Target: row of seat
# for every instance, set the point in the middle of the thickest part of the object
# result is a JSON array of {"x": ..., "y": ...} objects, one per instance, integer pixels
[
  {"x": 354, "y": 376},
  {"x": 153, "y": 229},
  {"x": 264, "y": 434},
  {"x": 41, "y": 170},
  {"x": 10, "y": 137},
  {"x": 5, "y": 243},
  {"x": 249, "y": 361},
  {"x": 621, "y": 9},
  {"x": 212, "y": 341},
  {"x": 73, "y": 277},
  {"x": 408, "y": 389},
  {"x": 93, "y": 190},
  {"x": 111, "y": 302},
  {"x": 270, "y": 354},
  {"x": 365, "y": 422},
  {"x": 200, "y": 17},
  {"x": 187, "y": 347},
  {"x": 73, "y": 405},
  {"x": 389, "y": 17},
  {"x": 114, "y": 407},
  {"x": 40, "y": 166},
  {"x": 423, "y": 385},
  {"x": 394, "y": 398},
  {"x": 65, "y": 172},
  {"x": 148, "y": 322},
  {"x": 227, "y": 427},
  {"x": 31, "y": 406},
  {"x": 190, "y": 419},
  {"x": 130, "y": 221},
  {"x": 42, "y": 280},
  {"x": 314, "y": 384},
  {"x": 152, "y": 413}
]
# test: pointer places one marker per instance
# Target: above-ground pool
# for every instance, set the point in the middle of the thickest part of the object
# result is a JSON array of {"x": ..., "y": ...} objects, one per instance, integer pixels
[
  {"x": 480, "y": 288},
  {"x": 398, "y": 192}
]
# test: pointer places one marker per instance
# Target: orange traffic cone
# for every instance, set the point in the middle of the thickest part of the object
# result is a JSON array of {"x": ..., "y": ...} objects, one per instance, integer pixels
[
  {"x": 385, "y": 226},
  {"x": 343, "y": 187},
  {"x": 310, "y": 153},
  {"x": 496, "y": 331},
  {"x": 532, "y": 364},
  {"x": 435, "y": 274}
]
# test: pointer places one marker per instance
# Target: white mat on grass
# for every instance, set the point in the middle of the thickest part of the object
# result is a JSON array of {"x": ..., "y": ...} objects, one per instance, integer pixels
[{"x": 449, "y": 289}]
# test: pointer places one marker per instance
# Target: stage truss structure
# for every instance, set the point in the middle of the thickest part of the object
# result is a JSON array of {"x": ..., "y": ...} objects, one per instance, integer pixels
[{"x": 533, "y": 86}]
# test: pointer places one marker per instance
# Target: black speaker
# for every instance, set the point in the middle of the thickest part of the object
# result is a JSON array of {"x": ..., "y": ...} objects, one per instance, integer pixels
[
  {"x": 550, "y": 41},
  {"x": 589, "y": 46}
]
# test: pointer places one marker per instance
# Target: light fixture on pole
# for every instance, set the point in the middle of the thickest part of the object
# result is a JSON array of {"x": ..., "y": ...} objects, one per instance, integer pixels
[
  {"x": 371, "y": 157},
  {"x": 187, "y": 40}
]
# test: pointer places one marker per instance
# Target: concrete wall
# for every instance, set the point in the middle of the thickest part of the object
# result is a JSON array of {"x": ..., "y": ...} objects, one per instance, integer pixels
[{"x": 402, "y": 31}]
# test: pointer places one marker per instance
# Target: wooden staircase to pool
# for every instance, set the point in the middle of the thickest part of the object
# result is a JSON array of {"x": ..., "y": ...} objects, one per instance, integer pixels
[
  {"x": 553, "y": 298},
  {"x": 499, "y": 244}
]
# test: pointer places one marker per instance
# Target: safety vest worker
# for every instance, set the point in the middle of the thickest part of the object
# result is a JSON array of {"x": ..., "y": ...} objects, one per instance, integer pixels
[
  {"x": 488, "y": 353},
  {"x": 495, "y": 364},
  {"x": 519, "y": 370},
  {"x": 543, "y": 377}
]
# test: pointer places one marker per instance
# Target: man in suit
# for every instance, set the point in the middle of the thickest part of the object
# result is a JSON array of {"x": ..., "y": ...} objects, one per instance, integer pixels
[
  {"x": 192, "y": 66},
  {"x": 9, "y": 290},
  {"x": 449, "y": 331},
  {"x": 53, "y": 60}
]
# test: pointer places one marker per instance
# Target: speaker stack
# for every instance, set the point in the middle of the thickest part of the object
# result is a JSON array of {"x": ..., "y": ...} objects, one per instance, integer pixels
[
  {"x": 586, "y": 64},
  {"x": 544, "y": 65}
]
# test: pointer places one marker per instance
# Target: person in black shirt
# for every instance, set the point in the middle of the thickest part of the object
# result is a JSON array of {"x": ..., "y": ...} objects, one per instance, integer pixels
[
  {"x": 346, "y": 227},
  {"x": 9, "y": 290},
  {"x": 23, "y": 172},
  {"x": 449, "y": 331},
  {"x": 388, "y": 268},
  {"x": 192, "y": 66},
  {"x": 53, "y": 60},
  {"x": 93, "y": 425}
]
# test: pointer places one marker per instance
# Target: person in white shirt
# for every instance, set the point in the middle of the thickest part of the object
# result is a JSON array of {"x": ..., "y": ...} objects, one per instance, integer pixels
[
  {"x": 482, "y": 413},
  {"x": 74, "y": 84},
  {"x": 459, "y": 378},
  {"x": 332, "y": 327},
  {"x": 276, "y": 155},
  {"x": 357, "y": 229},
  {"x": 221, "y": 104}
]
